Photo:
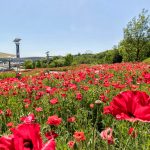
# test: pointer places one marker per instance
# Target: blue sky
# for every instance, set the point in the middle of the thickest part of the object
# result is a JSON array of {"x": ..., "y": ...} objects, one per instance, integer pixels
[{"x": 65, "y": 26}]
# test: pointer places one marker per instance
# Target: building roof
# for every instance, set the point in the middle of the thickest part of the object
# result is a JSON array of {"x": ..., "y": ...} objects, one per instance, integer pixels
[{"x": 5, "y": 55}]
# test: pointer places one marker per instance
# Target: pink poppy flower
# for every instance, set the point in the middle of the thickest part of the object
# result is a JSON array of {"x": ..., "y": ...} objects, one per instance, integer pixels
[
  {"x": 28, "y": 119},
  {"x": 107, "y": 135}
]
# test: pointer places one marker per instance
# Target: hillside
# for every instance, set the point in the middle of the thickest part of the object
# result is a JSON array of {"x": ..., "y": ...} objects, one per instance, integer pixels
[{"x": 5, "y": 55}]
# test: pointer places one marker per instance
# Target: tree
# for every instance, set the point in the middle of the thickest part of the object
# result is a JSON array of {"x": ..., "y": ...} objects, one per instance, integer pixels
[
  {"x": 109, "y": 55},
  {"x": 28, "y": 64},
  {"x": 38, "y": 64},
  {"x": 68, "y": 59},
  {"x": 57, "y": 62},
  {"x": 117, "y": 58},
  {"x": 136, "y": 37}
]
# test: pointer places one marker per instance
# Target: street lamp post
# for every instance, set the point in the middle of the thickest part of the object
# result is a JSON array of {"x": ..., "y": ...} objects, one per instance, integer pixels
[
  {"x": 16, "y": 41},
  {"x": 9, "y": 63}
]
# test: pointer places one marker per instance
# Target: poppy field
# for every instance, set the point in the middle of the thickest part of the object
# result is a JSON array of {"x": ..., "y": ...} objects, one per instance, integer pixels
[{"x": 101, "y": 107}]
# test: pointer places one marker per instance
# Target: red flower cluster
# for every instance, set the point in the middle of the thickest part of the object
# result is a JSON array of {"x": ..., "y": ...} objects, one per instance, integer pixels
[{"x": 131, "y": 106}]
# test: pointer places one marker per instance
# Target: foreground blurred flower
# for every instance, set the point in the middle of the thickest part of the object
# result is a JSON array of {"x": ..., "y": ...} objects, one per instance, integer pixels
[
  {"x": 6, "y": 143},
  {"x": 79, "y": 136},
  {"x": 26, "y": 137},
  {"x": 131, "y": 106},
  {"x": 54, "y": 120},
  {"x": 107, "y": 135}
]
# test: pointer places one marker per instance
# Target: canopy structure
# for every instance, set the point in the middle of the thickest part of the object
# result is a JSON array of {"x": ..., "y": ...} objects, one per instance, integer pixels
[{"x": 5, "y": 55}]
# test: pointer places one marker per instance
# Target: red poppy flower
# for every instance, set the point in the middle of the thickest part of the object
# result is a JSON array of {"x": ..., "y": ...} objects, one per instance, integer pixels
[
  {"x": 79, "y": 96},
  {"x": 27, "y": 137},
  {"x": 39, "y": 109},
  {"x": 71, "y": 119},
  {"x": 86, "y": 88},
  {"x": 8, "y": 112},
  {"x": 71, "y": 144},
  {"x": 79, "y": 136},
  {"x": 1, "y": 112},
  {"x": 72, "y": 86},
  {"x": 91, "y": 106},
  {"x": 147, "y": 78},
  {"x": 6, "y": 143},
  {"x": 131, "y": 106},
  {"x": 54, "y": 120},
  {"x": 10, "y": 124},
  {"x": 103, "y": 98},
  {"x": 132, "y": 132},
  {"x": 63, "y": 95},
  {"x": 51, "y": 135},
  {"x": 50, "y": 90},
  {"x": 54, "y": 101},
  {"x": 28, "y": 101}
]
